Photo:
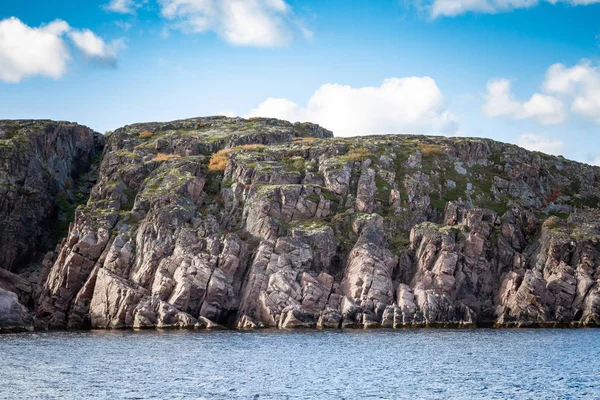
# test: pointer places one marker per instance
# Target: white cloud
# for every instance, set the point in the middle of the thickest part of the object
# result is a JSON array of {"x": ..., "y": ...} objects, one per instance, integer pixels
[
  {"x": 260, "y": 23},
  {"x": 500, "y": 102},
  {"x": 124, "y": 6},
  {"x": 278, "y": 108},
  {"x": 43, "y": 51},
  {"x": 451, "y": 8},
  {"x": 26, "y": 51},
  {"x": 581, "y": 84},
  {"x": 399, "y": 105},
  {"x": 542, "y": 143},
  {"x": 565, "y": 89},
  {"x": 94, "y": 47}
]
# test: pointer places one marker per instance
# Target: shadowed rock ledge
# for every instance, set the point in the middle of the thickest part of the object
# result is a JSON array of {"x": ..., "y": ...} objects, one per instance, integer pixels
[
  {"x": 292, "y": 228},
  {"x": 46, "y": 170}
]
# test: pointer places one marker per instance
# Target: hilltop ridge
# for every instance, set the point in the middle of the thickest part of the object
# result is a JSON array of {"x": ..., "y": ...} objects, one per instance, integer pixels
[{"x": 227, "y": 222}]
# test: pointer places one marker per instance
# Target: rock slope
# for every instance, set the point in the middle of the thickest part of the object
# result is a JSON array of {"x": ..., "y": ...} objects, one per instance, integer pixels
[
  {"x": 289, "y": 227},
  {"x": 45, "y": 170},
  {"x": 225, "y": 222}
]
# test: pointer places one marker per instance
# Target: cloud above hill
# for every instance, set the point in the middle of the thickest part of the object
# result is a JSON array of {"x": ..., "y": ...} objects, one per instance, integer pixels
[
  {"x": 499, "y": 101},
  {"x": 543, "y": 143},
  {"x": 580, "y": 84},
  {"x": 398, "y": 105},
  {"x": 566, "y": 92}
]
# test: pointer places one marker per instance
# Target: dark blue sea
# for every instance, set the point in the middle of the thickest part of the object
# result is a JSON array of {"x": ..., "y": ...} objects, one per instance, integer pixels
[{"x": 374, "y": 364}]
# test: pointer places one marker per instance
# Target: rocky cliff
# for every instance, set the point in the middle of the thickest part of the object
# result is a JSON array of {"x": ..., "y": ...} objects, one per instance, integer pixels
[
  {"x": 226, "y": 222},
  {"x": 46, "y": 169}
]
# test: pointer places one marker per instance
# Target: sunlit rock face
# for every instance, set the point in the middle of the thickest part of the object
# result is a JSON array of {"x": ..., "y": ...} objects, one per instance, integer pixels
[{"x": 290, "y": 227}]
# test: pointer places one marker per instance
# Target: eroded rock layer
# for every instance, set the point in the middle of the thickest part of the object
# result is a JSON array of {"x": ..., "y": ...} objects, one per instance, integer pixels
[{"x": 292, "y": 228}]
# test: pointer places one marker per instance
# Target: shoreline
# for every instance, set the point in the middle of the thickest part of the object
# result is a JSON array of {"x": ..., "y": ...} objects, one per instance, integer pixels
[{"x": 451, "y": 327}]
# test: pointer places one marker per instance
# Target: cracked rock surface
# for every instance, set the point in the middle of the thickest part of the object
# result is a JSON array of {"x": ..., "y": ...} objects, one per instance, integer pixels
[{"x": 297, "y": 229}]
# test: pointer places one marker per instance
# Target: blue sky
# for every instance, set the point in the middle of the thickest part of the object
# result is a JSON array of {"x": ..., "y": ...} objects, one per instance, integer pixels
[{"x": 526, "y": 74}]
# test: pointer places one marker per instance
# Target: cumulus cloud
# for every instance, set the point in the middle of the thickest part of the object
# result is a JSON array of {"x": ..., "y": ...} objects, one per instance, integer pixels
[
  {"x": 94, "y": 47},
  {"x": 260, "y": 23},
  {"x": 399, "y": 105},
  {"x": 451, "y": 8},
  {"x": 543, "y": 143},
  {"x": 26, "y": 51},
  {"x": 565, "y": 89},
  {"x": 499, "y": 101},
  {"x": 43, "y": 51},
  {"x": 580, "y": 84},
  {"x": 124, "y": 6}
]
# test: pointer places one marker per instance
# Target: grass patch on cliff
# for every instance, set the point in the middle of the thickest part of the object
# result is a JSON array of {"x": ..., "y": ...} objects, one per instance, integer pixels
[
  {"x": 315, "y": 198},
  {"x": 356, "y": 154},
  {"x": 165, "y": 157},
  {"x": 130, "y": 194},
  {"x": 74, "y": 195},
  {"x": 574, "y": 187},
  {"x": 498, "y": 208},
  {"x": 66, "y": 215},
  {"x": 304, "y": 139},
  {"x": 587, "y": 200},
  {"x": 486, "y": 176},
  {"x": 561, "y": 215},
  {"x": 218, "y": 161},
  {"x": 439, "y": 201},
  {"x": 126, "y": 153},
  {"x": 430, "y": 150},
  {"x": 313, "y": 224},
  {"x": 399, "y": 242},
  {"x": 227, "y": 183},
  {"x": 213, "y": 185},
  {"x": 383, "y": 190},
  {"x": 295, "y": 164}
]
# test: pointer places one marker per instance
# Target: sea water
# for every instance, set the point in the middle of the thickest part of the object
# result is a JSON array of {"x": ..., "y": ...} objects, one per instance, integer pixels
[{"x": 352, "y": 364}]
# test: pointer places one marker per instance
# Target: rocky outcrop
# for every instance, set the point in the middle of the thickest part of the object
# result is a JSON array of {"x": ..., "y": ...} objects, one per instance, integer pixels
[
  {"x": 559, "y": 282},
  {"x": 46, "y": 169},
  {"x": 225, "y": 222},
  {"x": 14, "y": 317},
  {"x": 43, "y": 163}
]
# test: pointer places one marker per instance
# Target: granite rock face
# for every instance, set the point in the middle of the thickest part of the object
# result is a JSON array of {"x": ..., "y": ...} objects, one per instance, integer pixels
[
  {"x": 224, "y": 222},
  {"x": 45, "y": 170}
]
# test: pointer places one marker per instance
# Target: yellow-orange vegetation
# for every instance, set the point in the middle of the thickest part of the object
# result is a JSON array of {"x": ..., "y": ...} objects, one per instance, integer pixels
[
  {"x": 430, "y": 150},
  {"x": 357, "y": 154},
  {"x": 218, "y": 161},
  {"x": 165, "y": 157}
]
